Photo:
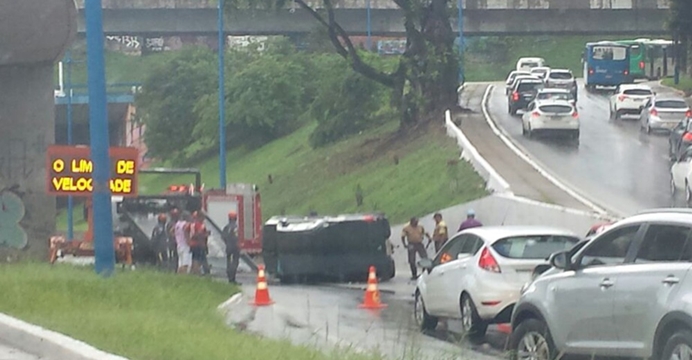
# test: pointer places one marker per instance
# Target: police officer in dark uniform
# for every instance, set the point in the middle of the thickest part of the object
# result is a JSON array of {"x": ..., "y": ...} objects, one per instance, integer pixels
[
  {"x": 230, "y": 238},
  {"x": 159, "y": 241}
]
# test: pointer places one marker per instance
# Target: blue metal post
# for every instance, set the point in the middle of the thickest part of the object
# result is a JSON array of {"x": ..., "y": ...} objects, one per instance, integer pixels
[
  {"x": 104, "y": 251},
  {"x": 68, "y": 87},
  {"x": 460, "y": 25},
  {"x": 222, "y": 101},
  {"x": 369, "y": 40}
]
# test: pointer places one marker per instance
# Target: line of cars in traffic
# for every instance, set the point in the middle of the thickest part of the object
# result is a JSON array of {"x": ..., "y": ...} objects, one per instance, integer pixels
[
  {"x": 671, "y": 114},
  {"x": 547, "y": 97},
  {"x": 623, "y": 290}
]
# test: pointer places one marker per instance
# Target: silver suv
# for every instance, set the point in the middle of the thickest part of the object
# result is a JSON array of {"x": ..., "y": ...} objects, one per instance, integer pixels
[{"x": 626, "y": 293}]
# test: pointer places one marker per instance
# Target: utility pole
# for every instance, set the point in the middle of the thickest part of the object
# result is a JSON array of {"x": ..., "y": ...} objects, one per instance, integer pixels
[
  {"x": 222, "y": 100},
  {"x": 369, "y": 40},
  {"x": 68, "y": 88},
  {"x": 104, "y": 251},
  {"x": 460, "y": 25}
]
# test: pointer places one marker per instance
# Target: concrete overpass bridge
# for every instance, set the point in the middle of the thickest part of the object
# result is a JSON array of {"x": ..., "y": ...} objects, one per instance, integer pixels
[{"x": 481, "y": 17}]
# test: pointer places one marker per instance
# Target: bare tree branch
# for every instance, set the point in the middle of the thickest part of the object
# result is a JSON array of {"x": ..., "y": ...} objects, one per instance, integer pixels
[{"x": 349, "y": 52}]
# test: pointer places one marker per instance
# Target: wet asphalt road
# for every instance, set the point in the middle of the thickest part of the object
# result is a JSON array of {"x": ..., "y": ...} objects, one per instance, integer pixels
[{"x": 614, "y": 164}]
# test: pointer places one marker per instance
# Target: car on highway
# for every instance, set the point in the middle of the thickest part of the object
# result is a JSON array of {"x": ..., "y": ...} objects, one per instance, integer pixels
[
  {"x": 523, "y": 93},
  {"x": 626, "y": 293},
  {"x": 477, "y": 275},
  {"x": 562, "y": 79},
  {"x": 512, "y": 76},
  {"x": 663, "y": 113},
  {"x": 541, "y": 71},
  {"x": 629, "y": 99},
  {"x": 551, "y": 116},
  {"x": 680, "y": 139},
  {"x": 528, "y": 63},
  {"x": 555, "y": 94},
  {"x": 681, "y": 175}
]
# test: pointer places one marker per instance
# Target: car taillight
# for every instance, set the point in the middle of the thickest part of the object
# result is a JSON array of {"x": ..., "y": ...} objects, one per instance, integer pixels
[
  {"x": 487, "y": 261},
  {"x": 622, "y": 98},
  {"x": 687, "y": 137},
  {"x": 688, "y": 114},
  {"x": 535, "y": 114},
  {"x": 515, "y": 96},
  {"x": 653, "y": 112},
  {"x": 575, "y": 114},
  {"x": 641, "y": 65}
]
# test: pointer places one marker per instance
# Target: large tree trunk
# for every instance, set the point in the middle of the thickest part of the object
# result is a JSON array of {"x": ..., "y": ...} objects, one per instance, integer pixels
[{"x": 430, "y": 67}]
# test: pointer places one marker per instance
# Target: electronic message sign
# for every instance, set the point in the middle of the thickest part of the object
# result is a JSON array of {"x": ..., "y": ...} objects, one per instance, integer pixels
[{"x": 70, "y": 168}]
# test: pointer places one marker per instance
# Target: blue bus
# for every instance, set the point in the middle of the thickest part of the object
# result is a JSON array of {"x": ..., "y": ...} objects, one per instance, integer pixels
[{"x": 606, "y": 63}]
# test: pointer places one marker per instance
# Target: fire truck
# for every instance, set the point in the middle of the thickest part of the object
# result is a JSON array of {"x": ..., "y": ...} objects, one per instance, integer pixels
[{"x": 135, "y": 218}]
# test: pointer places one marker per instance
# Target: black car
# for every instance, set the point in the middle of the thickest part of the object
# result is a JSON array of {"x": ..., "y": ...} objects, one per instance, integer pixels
[
  {"x": 522, "y": 94},
  {"x": 340, "y": 248},
  {"x": 680, "y": 139}
]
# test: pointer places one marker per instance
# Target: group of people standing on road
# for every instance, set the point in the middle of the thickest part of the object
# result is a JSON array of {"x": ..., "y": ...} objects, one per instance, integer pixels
[
  {"x": 413, "y": 233},
  {"x": 181, "y": 243}
]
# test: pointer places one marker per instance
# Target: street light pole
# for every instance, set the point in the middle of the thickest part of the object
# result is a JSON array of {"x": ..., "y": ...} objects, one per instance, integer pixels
[
  {"x": 369, "y": 39},
  {"x": 460, "y": 25},
  {"x": 68, "y": 88},
  {"x": 222, "y": 100},
  {"x": 104, "y": 251}
]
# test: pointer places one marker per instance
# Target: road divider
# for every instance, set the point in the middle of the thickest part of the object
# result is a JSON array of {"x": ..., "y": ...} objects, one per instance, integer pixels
[
  {"x": 494, "y": 182},
  {"x": 523, "y": 154},
  {"x": 46, "y": 343}
]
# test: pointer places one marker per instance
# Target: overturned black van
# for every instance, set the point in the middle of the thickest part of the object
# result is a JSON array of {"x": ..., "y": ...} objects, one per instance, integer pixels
[{"x": 340, "y": 248}]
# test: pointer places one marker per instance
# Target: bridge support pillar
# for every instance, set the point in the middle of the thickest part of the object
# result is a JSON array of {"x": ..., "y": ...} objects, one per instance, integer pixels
[{"x": 33, "y": 34}]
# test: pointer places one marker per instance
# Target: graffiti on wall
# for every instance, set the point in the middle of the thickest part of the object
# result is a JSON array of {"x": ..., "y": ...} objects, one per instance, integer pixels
[
  {"x": 16, "y": 167},
  {"x": 12, "y": 211}
]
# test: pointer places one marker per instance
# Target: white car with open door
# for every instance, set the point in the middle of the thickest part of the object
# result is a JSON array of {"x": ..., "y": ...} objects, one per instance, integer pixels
[
  {"x": 629, "y": 99},
  {"x": 681, "y": 175},
  {"x": 551, "y": 116},
  {"x": 478, "y": 274}
]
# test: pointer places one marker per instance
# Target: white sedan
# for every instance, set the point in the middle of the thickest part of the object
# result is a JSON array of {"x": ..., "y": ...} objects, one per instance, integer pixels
[
  {"x": 629, "y": 99},
  {"x": 477, "y": 276},
  {"x": 551, "y": 116},
  {"x": 681, "y": 175}
]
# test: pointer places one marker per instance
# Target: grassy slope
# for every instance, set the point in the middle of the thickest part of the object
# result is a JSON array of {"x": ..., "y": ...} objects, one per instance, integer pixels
[
  {"x": 142, "y": 315},
  {"x": 684, "y": 85},
  {"x": 325, "y": 180}
]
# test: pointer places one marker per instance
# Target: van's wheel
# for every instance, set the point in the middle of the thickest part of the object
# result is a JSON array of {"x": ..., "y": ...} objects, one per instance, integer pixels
[
  {"x": 424, "y": 321},
  {"x": 531, "y": 340},
  {"x": 679, "y": 346},
  {"x": 474, "y": 326}
]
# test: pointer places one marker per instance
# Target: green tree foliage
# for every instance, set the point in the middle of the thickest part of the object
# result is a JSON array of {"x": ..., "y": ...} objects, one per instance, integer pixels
[
  {"x": 269, "y": 93},
  {"x": 346, "y": 102},
  {"x": 680, "y": 24},
  {"x": 169, "y": 95},
  {"x": 425, "y": 80}
]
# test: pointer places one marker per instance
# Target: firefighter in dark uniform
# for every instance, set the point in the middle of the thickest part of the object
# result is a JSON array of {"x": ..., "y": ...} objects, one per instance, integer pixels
[
  {"x": 159, "y": 241},
  {"x": 230, "y": 238}
]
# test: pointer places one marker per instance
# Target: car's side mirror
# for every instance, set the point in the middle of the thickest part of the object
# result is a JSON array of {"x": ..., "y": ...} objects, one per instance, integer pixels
[
  {"x": 560, "y": 260},
  {"x": 425, "y": 264}
]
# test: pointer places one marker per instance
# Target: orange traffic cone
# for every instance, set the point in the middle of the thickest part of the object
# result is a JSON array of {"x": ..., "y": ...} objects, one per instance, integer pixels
[
  {"x": 372, "y": 294},
  {"x": 262, "y": 292},
  {"x": 504, "y": 328}
]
